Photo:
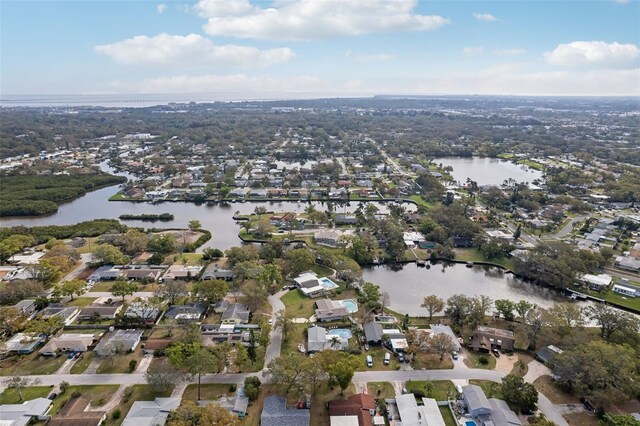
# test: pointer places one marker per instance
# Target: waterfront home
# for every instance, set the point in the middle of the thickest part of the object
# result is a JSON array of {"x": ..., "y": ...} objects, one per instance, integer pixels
[
  {"x": 627, "y": 289},
  {"x": 318, "y": 339},
  {"x": 373, "y": 333},
  {"x": 312, "y": 286},
  {"x": 330, "y": 310},
  {"x": 487, "y": 338}
]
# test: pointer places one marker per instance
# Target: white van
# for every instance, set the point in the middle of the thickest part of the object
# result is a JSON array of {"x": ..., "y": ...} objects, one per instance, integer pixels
[
  {"x": 387, "y": 358},
  {"x": 369, "y": 361}
]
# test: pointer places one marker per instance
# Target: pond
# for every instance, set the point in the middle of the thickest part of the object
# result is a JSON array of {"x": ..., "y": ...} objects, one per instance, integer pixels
[
  {"x": 408, "y": 286},
  {"x": 488, "y": 171}
]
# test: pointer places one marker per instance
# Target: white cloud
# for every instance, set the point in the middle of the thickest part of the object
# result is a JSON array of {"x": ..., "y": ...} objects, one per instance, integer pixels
[
  {"x": 192, "y": 50},
  {"x": 313, "y": 19},
  {"x": 368, "y": 57},
  {"x": 473, "y": 50},
  {"x": 161, "y": 8},
  {"x": 486, "y": 17},
  {"x": 509, "y": 52},
  {"x": 594, "y": 53}
]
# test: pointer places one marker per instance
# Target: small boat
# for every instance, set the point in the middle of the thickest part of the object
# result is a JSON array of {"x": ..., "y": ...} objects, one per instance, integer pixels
[{"x": 469, "y": 264}]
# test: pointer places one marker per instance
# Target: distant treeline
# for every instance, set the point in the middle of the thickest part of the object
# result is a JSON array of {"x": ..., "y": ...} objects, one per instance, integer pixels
[
  {"x": 42, "y": 234},
  {"x": 35, "y": 195},
  {"x": 147, "y": 217}
]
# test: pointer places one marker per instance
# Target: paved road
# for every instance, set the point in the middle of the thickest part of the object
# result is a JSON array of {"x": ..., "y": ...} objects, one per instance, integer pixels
[
  {"x": 523, "y": 235},
  {"x": 622, "y": 274},
  {"x": 85, "y": 258},
  {"x": 566, "y": 229},
  {"x": 275, "y": 339},
  {"x": 140, "y": 294}
]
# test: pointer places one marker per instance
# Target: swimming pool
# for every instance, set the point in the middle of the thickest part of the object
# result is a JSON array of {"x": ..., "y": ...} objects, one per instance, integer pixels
[
  {"x": 470, "y": 423},
  {"x": 343, "y": 333},
  {"x": 327, "y": 283},
  {"x": 350, "y": 304}
]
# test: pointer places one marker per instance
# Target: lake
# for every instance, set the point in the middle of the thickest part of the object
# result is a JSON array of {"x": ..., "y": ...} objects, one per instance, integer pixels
[
  {"x": 408, "y": 286},
  {"x": 488, "y": 171}
]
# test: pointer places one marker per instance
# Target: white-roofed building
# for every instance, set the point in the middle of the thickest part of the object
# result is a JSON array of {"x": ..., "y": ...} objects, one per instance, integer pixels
[
  {"x": 151, "y": 413},
  {"x": 412, "y": 414},
  {"x": 22, "y": 414}
]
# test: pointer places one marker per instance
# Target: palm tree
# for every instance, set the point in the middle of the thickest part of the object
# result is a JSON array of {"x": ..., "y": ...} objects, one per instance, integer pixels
[{"x": 335, "y": 342}]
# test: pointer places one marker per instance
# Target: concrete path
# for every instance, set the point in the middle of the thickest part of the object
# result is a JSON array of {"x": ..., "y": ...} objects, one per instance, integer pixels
[
  {"x": 92, "y": 368},
  {"x": 179, "y": 389},
  {"x": 275, "y": 339},
  {"x": 535, "y": 370},
  {"x": 65, "y": 368},
  {"x": 113, "y": 402},
  {"x": 144, "y": 363}
]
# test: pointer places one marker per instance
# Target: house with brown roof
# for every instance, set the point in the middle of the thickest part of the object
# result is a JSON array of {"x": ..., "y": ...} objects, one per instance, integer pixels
[
  {"x": 100, "y": 311},
  {"x": 73, "y": 414},
  {"x": 150, "y": 346},
  {"x": 361, "y": 406},
  {"x": 487, "y": 338}
]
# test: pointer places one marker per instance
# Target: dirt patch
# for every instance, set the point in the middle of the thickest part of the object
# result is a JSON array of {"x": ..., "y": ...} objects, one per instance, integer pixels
[
  {"x": 547, "y": 387},
  {"x": 506, "y": 363},
  {"x": 582, "y": 419}
]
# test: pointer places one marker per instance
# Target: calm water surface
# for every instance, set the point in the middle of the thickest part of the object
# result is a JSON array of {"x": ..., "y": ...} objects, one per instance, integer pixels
[{"x": 488, "y": 171}]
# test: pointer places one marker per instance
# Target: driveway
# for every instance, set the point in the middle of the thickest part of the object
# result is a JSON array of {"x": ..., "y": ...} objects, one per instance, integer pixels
[
  {"x": 275, "y": 339},
  {"x": 536, "y": 369}
]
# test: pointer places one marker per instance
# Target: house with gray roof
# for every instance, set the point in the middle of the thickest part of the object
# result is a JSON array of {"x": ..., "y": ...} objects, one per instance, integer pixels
[
  {"x": 477, "y": 403},
  {"x": 502, "y": 415},
  {"x": 119, "y": 341},
  {"x": 373, "y": 333},
  {"x": 22, "y": 414},
  {"x": 188, "y": 312},
  {"x": 26, "y": 307},
  {"x": 318, "y": 339},
  {"x": 23, "y": 343},
  {"x": 330, "y": 310},
  {"x": 214, "y": 272},
  {"x": 276, "y": 413},
  {"x": 445, "y": 329},
  {"x": 151, "y": 413},
  {"x": 236, "y": 313},
  {"x": 67, "y": 314}
]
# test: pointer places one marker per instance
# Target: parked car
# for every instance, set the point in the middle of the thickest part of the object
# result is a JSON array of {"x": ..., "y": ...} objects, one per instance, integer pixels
[
  {"x": 369, "y": 361},
  {"x": 366, "y": 346},
  {"x": 454, "y": 355},
  {"x": 71, "y": 355},
  {"x": 496, "y": 353},
  {"x": 400, "y": 357},
  {"x": 53, "y": 396},
  {"x": 387, "y": 358},
  {"x": 77, "y": 355}
]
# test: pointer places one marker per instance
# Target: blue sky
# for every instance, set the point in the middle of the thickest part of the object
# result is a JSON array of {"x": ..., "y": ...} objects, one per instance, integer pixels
[{"x": 311, "y": 48}]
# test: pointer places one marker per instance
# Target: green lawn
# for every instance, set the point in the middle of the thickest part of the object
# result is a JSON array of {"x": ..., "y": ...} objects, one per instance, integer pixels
[
  {"x": 32, "y": 364},
  {"x": 11, "y": 396},
  {"x": 431, "y": 362},
  {"x": 505, "y": 155},
  {"x": 475, "y": 255},
  {"x": 610, "y": 296},
  {"x": 97, "y": 394},
  {"x": 321, "y": 270},
  {"x": 472, "y": 360},
  {"x": 418, "y": 199},
  {"x": 532, "y": 164},
  {"x": 102, "y": 286},
  {"x": 440, "y": 390},
  {"x": 295, "y": 337},
  {"x": 491, "y": 389},
  {"x": 300, "y": 305},
  {"x": 386, "y": 390},
  {"x": 81, "y": 302},
  {"x": 449, "y": 420},
  {"x": 119, "y": 363},
  {"x": 139, "y": 393},
  {"x": 82, "y": 363},
  {"x": 207, "y": 392}
]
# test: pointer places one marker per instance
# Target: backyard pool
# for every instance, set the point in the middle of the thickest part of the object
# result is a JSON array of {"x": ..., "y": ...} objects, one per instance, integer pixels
[
  {"x": 350, "y": 304},
  {"x": 342, "y": 333},
  {"x": 327, "y": 283}
]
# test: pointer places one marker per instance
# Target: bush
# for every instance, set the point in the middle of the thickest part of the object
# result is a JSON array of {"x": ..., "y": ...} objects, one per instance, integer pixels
[
  {"x": 76, "y": 394},
  {"x": 63, "y": 387},
  {"x": 418, "y": 393},
  {"x": 232, "y": 388},
  {"x": 115, "y": 415},
  {"x": 483, "y": 360},
  {"x": 132, "y": 365}
]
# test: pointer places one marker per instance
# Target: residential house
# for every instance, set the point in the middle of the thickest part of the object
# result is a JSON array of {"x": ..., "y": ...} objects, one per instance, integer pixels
[
  {"x": 75, "y": 413},
  {"x": 23, "y": 414},
  {"x": 189, "y": 312},
  {"x": 68, "y": 342},
  {"x": 236, "y": 313},
  {"x": 318, "y": 339},
  {"x": 596, "y": 282},
  {"x": 220, "y": 306},
  {"x": 627, "y": 262},
  {"x": 150, "y": 346},
  {"x": 151, "y": 413},
  {"x": 546, "y": 354},
  {"x": 357, "y": 410},
  {"x": 328, "y": 237},
  {"x": 100, "y": 312},
  {"x": 501, "y": 414},
  {"x": 23, "y": 344},
  {"x": 212, "y": 334},
  {"x": 238, "y": 405},
  {"x": 330, "y": 310},
  {"x": 149, "y": 274},
  {"x": 487, "y": 338},
  {"x": 118, "y": 341},
  {"x": 477, "y": 403},
  {"x": 214, "y": 272},
  {"x": 373, "y": 333},
  {"x": 310, "y": 285},
  {"x": 67, "y": 314},
  {"x": 142, "y": 311},
  {"x": 26, "y": 307},
  {"x": 445, "y": 329},
  {"x": 397, "y": 341},
  {"x": 412, "y": 414},
  {"x": 345, "y": 219},
  {"x": 26, "y": 259},
  {"x": 104, "y": 273},
  {"x": 276, "y": 413},
  {"x": 627, "y": 289},
  {"x": 178, "y": 271}
]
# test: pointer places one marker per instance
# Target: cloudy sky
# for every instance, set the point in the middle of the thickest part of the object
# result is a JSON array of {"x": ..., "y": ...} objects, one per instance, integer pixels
[{"x": 311, "y": 48}]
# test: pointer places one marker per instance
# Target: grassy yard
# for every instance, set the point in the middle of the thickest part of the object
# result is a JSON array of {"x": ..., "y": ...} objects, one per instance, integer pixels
[
  {"x": 377, "y": 353},
  {"x": 31, "y": 364},
  {"x": 431, "y": 362},
  {"x": 447, "y": 416},
  {"x": 610, "y": 296},
  {"x": 321, "y": 270},
  {"x": 548, "y": 388},
  {"x": 11, "y": 396},
  {"x": 81, "y": 302},
  {"x": 295, "y": 337},
  {"x": 97, "y": 394},
  {"x": 138, "y": 393},
  {"x": 82, "y": 363},
  {"x": 421, "y": 202},
  {"x": 472, "y": 360},
  {"x": 440, "y": 390},
  {"x": 102, "y": 286},
  {"x": 475, "y": 255},
  {"x": 207, "y": 392},
  {"x": 385, "y": 389},
  {"x": 582, "y": 419},
  {"x": 491, "y": 389},
  {"x": 119, "y": 363},
  {"x": 298, "y": 304}
]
